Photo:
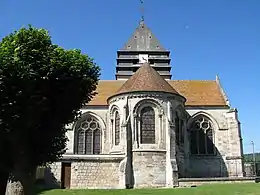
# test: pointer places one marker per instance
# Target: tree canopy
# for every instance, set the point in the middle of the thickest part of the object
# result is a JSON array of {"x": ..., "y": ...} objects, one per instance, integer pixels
[
  {"x": 42, "y": 88},
  {"x": 250, "y": 157}
]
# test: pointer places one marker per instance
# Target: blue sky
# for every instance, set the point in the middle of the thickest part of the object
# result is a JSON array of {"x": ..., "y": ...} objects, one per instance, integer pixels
[{"x": 206, "y": 37}]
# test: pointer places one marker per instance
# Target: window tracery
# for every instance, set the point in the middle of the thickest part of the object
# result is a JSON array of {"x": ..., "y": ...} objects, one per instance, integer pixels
[
  {"x": 201, "y": 136},
  {"x": 117, "y": 128},
  {"x": 88, "y": 136}
]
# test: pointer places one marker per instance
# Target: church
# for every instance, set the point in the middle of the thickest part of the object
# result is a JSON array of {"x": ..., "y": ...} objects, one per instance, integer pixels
[{"x": 144, "y": 129}]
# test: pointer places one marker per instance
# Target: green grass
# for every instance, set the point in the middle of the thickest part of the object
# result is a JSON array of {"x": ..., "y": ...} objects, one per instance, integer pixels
[{"x": 213, "y": 189}]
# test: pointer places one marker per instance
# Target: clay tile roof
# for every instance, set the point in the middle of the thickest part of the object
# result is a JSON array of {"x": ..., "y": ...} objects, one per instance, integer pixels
[
  {"x": 200, "y": 92},
  {"x": 146, "y": 79},
  {"x": 197, "y": 92}
]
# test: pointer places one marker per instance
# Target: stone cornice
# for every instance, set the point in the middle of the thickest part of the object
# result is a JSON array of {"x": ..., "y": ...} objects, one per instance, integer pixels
[
  {"x": 102, "y": 157},
  {"x": 233, "y": 157},
  {"x": 155, "y": 95},
  {"x": 148, "y": 150}
]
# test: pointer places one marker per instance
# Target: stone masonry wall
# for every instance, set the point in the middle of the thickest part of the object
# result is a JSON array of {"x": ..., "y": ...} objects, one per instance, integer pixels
[
  {"x": 235, "y": 152},
  {"x": 227, "y": 142},
  {"x": 180, "y": 162},
  {"x": 149, "y": 169},
  {"x": 52, "y": 175},
  {"x": 101, "y": 116},
  {"x": 95, "y": 174},
  {"x": 234, "y": 167},
  {"x": 211, "y": 166}
]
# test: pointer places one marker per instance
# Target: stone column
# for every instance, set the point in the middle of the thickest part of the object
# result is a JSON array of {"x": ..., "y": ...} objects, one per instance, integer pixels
[
  {"x": 171, "y": 163},
  {"x": 135, "y": 130},
  {"x": 124, "y": 130},
  {"x": 160, "y": 130},
  {"x": 186, "y": 148},
  {"x": 111, "y": 132}
]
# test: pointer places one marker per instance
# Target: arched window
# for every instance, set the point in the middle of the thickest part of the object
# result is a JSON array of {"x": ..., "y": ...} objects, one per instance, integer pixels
[
  {"x": 201, "y": 136},
  {"x": 88, "y": 136},
  {"x": 117, "y": 128},
  {"x": 147, "y": 119}
]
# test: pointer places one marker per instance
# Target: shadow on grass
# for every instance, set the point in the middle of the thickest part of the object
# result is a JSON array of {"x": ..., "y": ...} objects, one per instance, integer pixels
[{"x": 49, "y": 182}]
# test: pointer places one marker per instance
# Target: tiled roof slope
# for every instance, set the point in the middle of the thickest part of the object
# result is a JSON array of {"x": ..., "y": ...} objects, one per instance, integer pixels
[
  {"x": 197, "y": 92},
  {"x": 146, "y": 79}
]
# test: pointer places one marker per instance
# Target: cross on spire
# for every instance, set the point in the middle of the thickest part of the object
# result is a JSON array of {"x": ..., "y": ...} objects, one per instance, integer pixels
[{"x": 142, "y": 10}]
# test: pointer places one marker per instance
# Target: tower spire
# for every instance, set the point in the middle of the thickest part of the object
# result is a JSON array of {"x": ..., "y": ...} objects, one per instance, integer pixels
[{"x": 142, "y": 10}]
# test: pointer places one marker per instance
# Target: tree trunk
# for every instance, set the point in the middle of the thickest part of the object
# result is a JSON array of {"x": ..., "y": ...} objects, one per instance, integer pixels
[
  {"x": 3, "y": 181},
  {"x": 21, "y": 182}
]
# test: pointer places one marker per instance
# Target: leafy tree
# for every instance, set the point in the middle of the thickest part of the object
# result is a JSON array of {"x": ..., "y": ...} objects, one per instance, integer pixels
[
  {"x": 249, "y": 157},
  {"x": 42, "y": 88}
]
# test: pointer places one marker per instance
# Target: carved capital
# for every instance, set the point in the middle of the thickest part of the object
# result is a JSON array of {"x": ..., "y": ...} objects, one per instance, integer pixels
[{"x": 161, "y": 112}]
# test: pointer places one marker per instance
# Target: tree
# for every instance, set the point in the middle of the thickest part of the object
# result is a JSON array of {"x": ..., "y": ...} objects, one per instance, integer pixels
[
  {"x": 250, "y": 157},
  {"x": 42, "y": 88}
]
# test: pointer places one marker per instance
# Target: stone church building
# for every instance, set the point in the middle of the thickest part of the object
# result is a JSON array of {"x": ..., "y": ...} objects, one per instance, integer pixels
[{"x": 144, "y": 129}]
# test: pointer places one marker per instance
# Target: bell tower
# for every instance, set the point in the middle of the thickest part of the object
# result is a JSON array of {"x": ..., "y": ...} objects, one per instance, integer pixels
[{"x": 142, "y": 47}]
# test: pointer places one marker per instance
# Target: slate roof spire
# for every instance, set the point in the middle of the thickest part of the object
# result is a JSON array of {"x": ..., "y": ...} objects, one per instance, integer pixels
[{"x": 143, "y": 40}]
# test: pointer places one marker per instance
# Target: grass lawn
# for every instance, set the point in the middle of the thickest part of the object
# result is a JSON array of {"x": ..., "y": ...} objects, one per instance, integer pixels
[{"x": 212, "y": 189}]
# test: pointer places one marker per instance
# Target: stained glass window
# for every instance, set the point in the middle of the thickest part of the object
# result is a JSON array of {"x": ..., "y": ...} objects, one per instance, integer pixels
[
  {"x": 201, "y": 136},
  {"x": 147, "y": 119},
  {"x": 88, "y": 136},
  {"x": 117, "y": 128},
  {"x": 80, "y": 141}
]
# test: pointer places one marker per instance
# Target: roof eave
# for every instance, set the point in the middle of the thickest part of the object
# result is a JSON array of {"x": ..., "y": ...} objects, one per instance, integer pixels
[
  {"x": 224, "y": 106},
  {"x": 146, "y": 91}
]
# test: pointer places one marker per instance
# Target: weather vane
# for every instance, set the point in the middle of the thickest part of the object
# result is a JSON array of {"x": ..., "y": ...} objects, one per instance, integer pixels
[{"x": 142, "y": 10}]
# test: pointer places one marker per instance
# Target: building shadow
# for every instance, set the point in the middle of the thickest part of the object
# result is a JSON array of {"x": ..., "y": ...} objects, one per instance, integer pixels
[
  {"x": 129, "y": 173},
  {"x": 46, "y": 181},
  {"x": 204, "y": 159},
  {"x": 207, "y": 166}
]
